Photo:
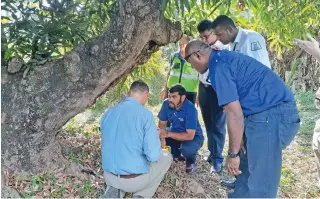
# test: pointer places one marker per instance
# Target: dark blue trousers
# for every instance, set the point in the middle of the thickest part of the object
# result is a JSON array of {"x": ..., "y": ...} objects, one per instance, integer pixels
[
  {"x": 266, "y": 135},
  {"x": 215, "y": 122},
  {"x": 188, "y": 149}
]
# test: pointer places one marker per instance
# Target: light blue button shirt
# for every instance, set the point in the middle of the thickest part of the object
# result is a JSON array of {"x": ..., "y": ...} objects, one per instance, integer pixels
[
  {"x": 130, "y": 139},
  {"x": 251, "y": 43}
]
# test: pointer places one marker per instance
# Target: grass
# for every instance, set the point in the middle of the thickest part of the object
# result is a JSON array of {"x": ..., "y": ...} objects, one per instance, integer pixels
[{"x": 308, "y": 115}]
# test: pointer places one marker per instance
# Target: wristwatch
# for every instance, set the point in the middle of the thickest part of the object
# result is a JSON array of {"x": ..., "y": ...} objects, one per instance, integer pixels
[{"x": 233, "y": 155}]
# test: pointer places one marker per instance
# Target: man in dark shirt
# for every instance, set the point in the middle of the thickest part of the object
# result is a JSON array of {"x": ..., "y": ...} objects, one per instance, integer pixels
[{"x": 259, "y": 107}]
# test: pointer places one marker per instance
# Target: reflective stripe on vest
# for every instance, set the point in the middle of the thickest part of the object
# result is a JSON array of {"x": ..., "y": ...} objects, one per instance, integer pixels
[
  {"x": 187, "y": 76},
  {"x": 191, "y": 74}
]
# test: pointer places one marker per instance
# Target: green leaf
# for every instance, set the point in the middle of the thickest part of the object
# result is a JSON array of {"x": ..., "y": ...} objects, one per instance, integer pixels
[
  {"x": 164, "y": 4},
  {"x": 202, "y": 3},
  {"x": 187, "y": 5}
]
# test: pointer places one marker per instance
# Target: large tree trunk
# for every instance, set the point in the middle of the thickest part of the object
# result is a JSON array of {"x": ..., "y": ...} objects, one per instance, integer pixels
[{"x": 34, "y": 108}]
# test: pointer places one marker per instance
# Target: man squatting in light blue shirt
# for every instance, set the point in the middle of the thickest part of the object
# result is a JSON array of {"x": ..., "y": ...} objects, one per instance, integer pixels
[{"x": 132, "y": 158}]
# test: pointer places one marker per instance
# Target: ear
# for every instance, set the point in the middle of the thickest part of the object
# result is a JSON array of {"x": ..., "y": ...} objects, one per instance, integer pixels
[
  {"x": 197, "y": 56},
  {"x": 183, "y": 97},
  {"x": 230, "y": 29}
]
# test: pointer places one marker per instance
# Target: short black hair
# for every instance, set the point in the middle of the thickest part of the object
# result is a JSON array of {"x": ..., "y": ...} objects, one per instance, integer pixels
[
  {"x": 204, "y": 25},
  {"x": 139, "y": 86},
  {"x": 224, "y": 21},
  {"x": 178, "y": 88}
]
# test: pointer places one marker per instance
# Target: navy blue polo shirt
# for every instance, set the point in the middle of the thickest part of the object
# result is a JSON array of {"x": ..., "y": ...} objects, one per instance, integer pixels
[
  {"x": 181, "y": 120},
  {"x": 235, "y": 76}
]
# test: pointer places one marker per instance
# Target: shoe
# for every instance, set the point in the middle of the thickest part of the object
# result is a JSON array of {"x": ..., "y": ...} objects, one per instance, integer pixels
[
  {"x": 111, "y": 192},
  {"x": 191, "y": 169},
  {"x": 231, "y": 184},
  {"x": 208, "y": 159},
  {"x": 216, "y": 169}
]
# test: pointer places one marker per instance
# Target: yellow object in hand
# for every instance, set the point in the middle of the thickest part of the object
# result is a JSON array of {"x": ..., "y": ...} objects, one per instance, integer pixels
[{"x": 168, "y": 148}]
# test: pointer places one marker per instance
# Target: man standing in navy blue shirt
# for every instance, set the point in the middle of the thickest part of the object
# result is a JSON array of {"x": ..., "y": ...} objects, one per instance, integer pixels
[
  {"x": 184, "y": 136},
  {"x": 260, "y": 108}
]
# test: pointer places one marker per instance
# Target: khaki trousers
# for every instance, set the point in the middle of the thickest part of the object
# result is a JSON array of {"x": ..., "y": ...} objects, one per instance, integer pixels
[{"x": 144, "y": 185}]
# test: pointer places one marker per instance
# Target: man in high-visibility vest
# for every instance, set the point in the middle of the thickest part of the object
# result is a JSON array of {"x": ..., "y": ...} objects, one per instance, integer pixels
[{"x": 182, "y": 72}]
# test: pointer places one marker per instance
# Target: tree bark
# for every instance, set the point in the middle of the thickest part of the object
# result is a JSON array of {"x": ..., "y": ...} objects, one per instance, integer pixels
[
  {"x": 306, "y": 74},
  {"x": 34, "y": 108}
]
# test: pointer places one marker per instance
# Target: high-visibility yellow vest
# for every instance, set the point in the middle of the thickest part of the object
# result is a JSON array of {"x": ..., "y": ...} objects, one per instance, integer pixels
[{"x": 182, "y": 72}]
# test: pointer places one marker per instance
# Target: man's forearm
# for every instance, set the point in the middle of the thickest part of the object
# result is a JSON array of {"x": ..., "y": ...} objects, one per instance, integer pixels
[
  {"x": 184, "y": 136},
  {"x": 235, "y": 124},
  {"x": 162, "y": 126},
  {"x": 166, "y": 84}
]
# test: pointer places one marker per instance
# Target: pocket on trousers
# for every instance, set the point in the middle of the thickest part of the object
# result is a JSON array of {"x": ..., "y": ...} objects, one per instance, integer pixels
[
  {"x": 290, "y": 124},
  {"x": 257, "y": 124},
  {"x": 258, "y": 118}
]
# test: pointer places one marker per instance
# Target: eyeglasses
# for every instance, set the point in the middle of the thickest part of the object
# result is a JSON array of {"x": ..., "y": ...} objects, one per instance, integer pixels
[{"x": 188, "y": 56}]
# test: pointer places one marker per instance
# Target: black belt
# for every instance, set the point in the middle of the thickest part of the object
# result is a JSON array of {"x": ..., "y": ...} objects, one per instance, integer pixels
[{"x": 127, "y": 176}]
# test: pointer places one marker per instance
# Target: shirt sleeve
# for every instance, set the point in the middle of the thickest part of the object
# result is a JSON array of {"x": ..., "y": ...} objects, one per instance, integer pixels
[
  {"x": 223, "y": 82},
  {"x": 255, "y": 47},
  {"x": 151, "y": 141},
  {"x": 191, "y": 119},
  {"x": 163, "y": 116},
  {"x": 103, "y": 119}
]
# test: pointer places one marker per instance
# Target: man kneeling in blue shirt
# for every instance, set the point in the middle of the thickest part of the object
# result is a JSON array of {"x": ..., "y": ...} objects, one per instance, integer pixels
[
  {"x": 260, "y": 108},
  {"x": 132, "y": 158},
  {"x": 184, "y": 136}
]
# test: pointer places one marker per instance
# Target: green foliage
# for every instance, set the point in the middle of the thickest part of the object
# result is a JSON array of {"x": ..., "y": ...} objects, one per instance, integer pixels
[
  {"x": 151, "y": 72},
  {"x": 88, "y": 187},
  {"x": 154, "y": 67},
  {"x": 156, "y": 85},
  {"x": 308, "y": 115},
  {"x": 279, "y": 20},
  {"x": 37, "y": 30},
  {"x": 71, "y": 128},
  {"x": 294, "y": 65},
  {"x": 35, "y": 180},
  {"x": 76, "y": 157},
  {"x": 287, "y": 178}
]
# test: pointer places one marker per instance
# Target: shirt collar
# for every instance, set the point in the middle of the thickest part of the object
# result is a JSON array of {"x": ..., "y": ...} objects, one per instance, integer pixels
[
  {"x": 238, "y": 37},
  {"x": 182, "y": 107},
  {"x": 212, "y": 59},
  {"x": 132, "y": 99},
  {"x": 180, "y": 56},
  {"x": 212, "y": 56}
]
